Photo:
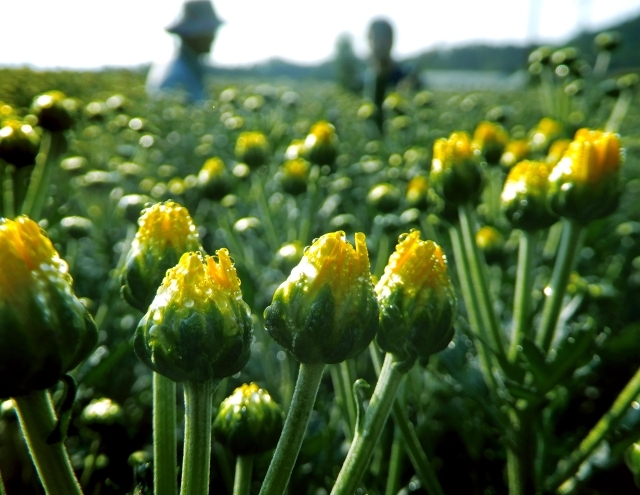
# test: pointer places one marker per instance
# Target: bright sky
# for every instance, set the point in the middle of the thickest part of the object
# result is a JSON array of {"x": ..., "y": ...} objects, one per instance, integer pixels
[{"x": 95, "y": 33}]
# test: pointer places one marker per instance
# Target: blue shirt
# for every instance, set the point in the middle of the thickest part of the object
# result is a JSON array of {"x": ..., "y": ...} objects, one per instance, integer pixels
[{"x": 185, "y": 74}]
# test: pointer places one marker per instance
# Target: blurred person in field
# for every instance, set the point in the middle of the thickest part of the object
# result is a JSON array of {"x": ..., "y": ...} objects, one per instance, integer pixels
[
  {"x": 384, "y": 73},
  {"x": 196, "y": 28}
]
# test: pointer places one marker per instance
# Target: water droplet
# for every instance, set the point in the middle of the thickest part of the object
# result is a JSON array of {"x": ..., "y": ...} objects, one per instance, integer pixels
[{"x": 188, "y": 303}]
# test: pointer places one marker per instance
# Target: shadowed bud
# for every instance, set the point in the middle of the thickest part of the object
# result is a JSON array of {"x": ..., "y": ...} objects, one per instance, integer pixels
[
  {"x": 54, "y": 111},
  {"x": 491, "y": 242},
  {"x": 45, "y": 331},
  {"x": 384, "y": 197},
  {"x": 584, "y": 185},
  {"x": 491, "y": 140},
  {"x": 417, "y": 300},
  {"x": 418, "y": 192},
  {"x": 524, "y": 197},
  {"x": 248, "y": 422},
  {"x": 19, "y": 143},
  {"x": 198, "y": 327},
  {"x": 293, "y": 176},
  {"x": 252, "y": 148},
  {"x": 455, "y": 168},
  {"x": 165, "y": 232},
  {"x": 322, "y": 144},
  {"x": 214, "y": 179},
  {"x": 326, "y": 311}
]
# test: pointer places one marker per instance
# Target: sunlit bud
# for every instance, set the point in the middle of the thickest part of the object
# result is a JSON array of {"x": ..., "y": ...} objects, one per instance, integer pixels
[
  {"x": 55, "y": 112},
  {"x": 394, "y": 102},
  {"x": 384, "y": 197},
  {"x": 491, "y": 139},
  {"x": 514, "y": 152},
  {"x": 541, "y": 136},
  {"x": 198, "y": 327},
  {"x": 252, "y": 148},
  {"x": 322, "y": 144},
  {"x": 102, "y": 412},
  {"x": 455, "y": 169},
  {"x": 557, "y": 150},
  {"x": 249, "y": 421},
  {"x": 417, "y": 300},
  {"x": 418, "y": 192},
  {"x": 131, "y": 205},
  {"x": 541, "y": 55},
  {"x": 490, "y": 241},
  {"x": 607, "y": 41},
  {"x": 293, "y": 176},
  {"x": 326, "y": 311},
  {"x": 165, "y": 233},
  {"x": 76, "y": 227},
  {"x": 214, "y": 180},
  {"x": 585, "y": 185},
  {"x": 45, "y": 331},
  {"x": 524, "y": 196},
  {"x": 18, "y": 143}
]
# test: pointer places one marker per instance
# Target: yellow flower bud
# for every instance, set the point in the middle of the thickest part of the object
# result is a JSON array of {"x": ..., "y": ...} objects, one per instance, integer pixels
[
  {"x": 584, "y": 185},
  {"x": 541, "y": 136},
  {"x": 418, "y": 192},
  {"x": 491, "y": 139},
  {"x": 252, "y": 148},
  {"x": 384, "y": 197},
  {"x": 45, "y": 331},
  {"x": 417, "y": 300},
  {"x": 514, "y": 152},
  {"x": 54, "y": 111},
  {"x": 214, "y": 179},
  {"x": 18, "y": 143},
  {"x": 321, "y": 144},
  {"x": 198, "y": 327},
  {"x": 293, "y": 176},
  {"x": 326, "y": 311},
  {"x": 557, "y": 149},
  {"x": 165, "y": 232}
]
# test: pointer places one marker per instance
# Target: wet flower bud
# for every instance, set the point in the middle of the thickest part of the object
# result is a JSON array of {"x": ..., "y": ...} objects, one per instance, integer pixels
[
  {"x": 417, "y": 300},
  {"x": 54, "y": 111},
  {"x": 293, "y": 176},
  {"x": 514, "y": 152},
  {"x": 45, "y": 331},
  {"x": 384, "y": 197},
  {"x": 198, "y": 327},
  {"x": 19, "y": 143},
  {"x": 584, "y": 185},
  {"x": 455, "y": 169},
  {"x": 248, "y": 422},
  {"x": 252, "y": 148},
  {"x": 418, "y": 192},
  {"x": 491, "y": 139},
  {"x": 321, "y": 144},
  {"x": 326, "y": 311},
  {"x": 214, "y": 179},
  {"x": 165, "y": 233},
  {"x": 524, "y": 196}
]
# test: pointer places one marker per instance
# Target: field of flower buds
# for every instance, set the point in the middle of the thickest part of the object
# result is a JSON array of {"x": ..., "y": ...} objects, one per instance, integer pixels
[{"x": 505, "y": 341}]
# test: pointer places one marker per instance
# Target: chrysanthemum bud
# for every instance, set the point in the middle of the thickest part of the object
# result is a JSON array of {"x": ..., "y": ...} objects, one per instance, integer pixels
[
  {"x": 54, "y": 111},
  {"x": 76, "y": 227},
  {"x": 214, "y": 179},
  {"x": 165, "y": 233},
  {"x": 418, "y": 192},
  {"x": 18, "y": 143},
  {"x": 514, "y": 152},
  {"x": 584, "y": 185},
  {"x": 45, "y": 331},
  {"x": 198, "y": 327},
  {"x": 326, "y": 311},
  {"x": 249, "y": 421},
  {"x": 455, "y": 169},
  {"x": 541, "y": 136},
  {"x": 417, "y": 300},
  {"x": 252, "y": 148},
  {"x": 490, "y": 241},
  {"x": 557, "y": 150},
  {"x": 384, "y": 197},
  {"x": 293, "y": 176},
  {"x": 321, "y": 144},
  {"x": 524, "y": 197},
  {"x": 491, "y": 139}
]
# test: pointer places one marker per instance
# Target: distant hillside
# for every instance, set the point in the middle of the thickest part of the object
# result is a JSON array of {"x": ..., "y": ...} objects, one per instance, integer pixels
[{"x": 472, "y": 57}]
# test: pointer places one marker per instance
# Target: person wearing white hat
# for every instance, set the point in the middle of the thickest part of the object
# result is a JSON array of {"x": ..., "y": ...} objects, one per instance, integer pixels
[{"x": 196, "y": 27}]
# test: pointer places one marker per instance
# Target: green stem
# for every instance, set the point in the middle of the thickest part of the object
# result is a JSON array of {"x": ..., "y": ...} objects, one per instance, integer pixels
[
  {"x": 165, "y": 481},
  {"x": 313, "y": 190},
  {"x": 197, "y": 437},
  {"x": 265, "y": 213},
  {"x": 619, "y": 408},
  {"x": 340, "y": 376},
  {"x": 37, "y": 420},
  {"x": 244, "y": 468},
  {"x": 50, "y": 149},
  {"x": 8, "y": 198},
  {"x": 522, "y": 296},
  {"x": 383, "y": 254},
  {"x": 368, "y": 432},
  {"x": 295, "y": 427},
  {"x": 2, "y": 490},
  {"x": 395, "y": 463},
  {"x": 477, "y": 269},
  {"x": 619, "y": 110},
  {"x": 555, "y": 290}
]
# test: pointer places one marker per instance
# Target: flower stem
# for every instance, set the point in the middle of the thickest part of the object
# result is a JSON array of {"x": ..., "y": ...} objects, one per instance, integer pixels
[
  {"x": 2, "y": 490},
  {"x": 619, "y": 408},
  {"x": 522, "y": 296},
  {"x": 8, "y": 198},
  {"x": 50, "y": 149},
  {"x": 295, "y": 427},
  {"x": 37, "y": 420},
  {"x": 555, "y": 290},
  {"x": 197, "y": 438},
  {"x": 395, "y": 463},
  {"x": 340, "y": 376},
  {"x": 265, "y": 213},
  {"x": 368, "y": 432},
  {"x": 164, "y": 436},
  {"x": 244, "y": 468},
  {"x": 477, "y": 269}
]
